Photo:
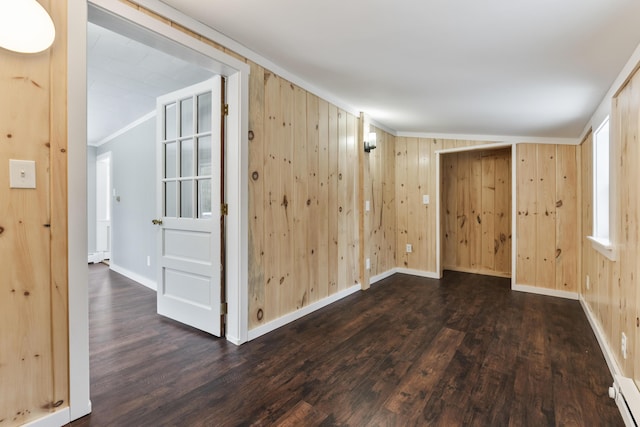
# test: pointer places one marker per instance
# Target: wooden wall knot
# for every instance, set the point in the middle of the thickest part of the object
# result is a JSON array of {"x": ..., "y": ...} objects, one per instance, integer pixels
[
  {"x": 559, "y": 204},
  {"x": 558, "y": 252},
  {"x": 479, "y": 219},
  {"x": 1, "y": 229},
  {"x": 255, "y": 175},
  {"x": 285, "y": 202},
  {"x": 251, "y": 135}
]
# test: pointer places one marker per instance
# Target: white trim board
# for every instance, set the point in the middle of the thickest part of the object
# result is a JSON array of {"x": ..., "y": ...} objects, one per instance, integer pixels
[
  {"x": 144, "y": 281},
  {"x": 545, "y": 291},
  {"x": 418, "y": 273},
  {"x": 288, "y": 318},
  {"x": 382, "y": 276},
  {"x": 505, "y": 139},
  {"x": 55, "y": 419}
]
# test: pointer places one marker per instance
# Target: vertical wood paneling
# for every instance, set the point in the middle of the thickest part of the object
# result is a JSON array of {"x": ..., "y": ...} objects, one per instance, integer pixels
[
  {"x": 527, "y": 211},
  {"x": 402, "y": 173},
  {"x": 301, "y": 209},
  {"x": 353, "y": 204},
  {"x": 566, "y": 216},
  {"x": 450, "y": 191},
  {"x": 285, "y": 213},
  {"x": 343, "y": 202},
  {"x": 424, "y": 211},
  {"x": 389, "y": 217},
  {"x": 502, "y": 213},
  {"x": 323, "y": 216},
  {"x": 33, "y": 232},
  {"x": 256, "y": 197},
  {"x": 488, "y": 203},
  {"x": 414, "y": 201},
  {"x": 461, "y": 215},
  {"x": 476, "y": 210},
  {"x": 313, "y": 188},
  {"x": 272, "y": 200},
  {"x": 333, "y": 199},
  {"x": 547, "y": 186},
  {"x": 475, "y": 207},
  {"x": 545, "y": 218}
]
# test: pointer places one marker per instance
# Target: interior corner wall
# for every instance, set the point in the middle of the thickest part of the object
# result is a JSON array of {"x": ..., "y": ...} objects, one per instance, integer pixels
[
  {"x": 415, "y": 177},
  {"x": 133, "y": 166},
  {"x": 91, "y": 198}
]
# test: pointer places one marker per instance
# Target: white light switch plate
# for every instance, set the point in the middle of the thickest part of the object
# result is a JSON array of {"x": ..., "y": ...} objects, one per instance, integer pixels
[
  {"x": 367, "y": 206},
  {"x": 425, "y": 199},
  {"x": 22, "y": 173}
]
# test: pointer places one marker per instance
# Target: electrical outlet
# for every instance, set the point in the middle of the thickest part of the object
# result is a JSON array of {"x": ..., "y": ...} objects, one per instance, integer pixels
[
  {"x": 367, "y": 264},
  {"x": 623, "y": 345},
  {"x": 148, "y": 260},
  {"x": 367, "y": 206},
  {"x": 588, "y": 284},
  {"x": 409, "y": 248}
]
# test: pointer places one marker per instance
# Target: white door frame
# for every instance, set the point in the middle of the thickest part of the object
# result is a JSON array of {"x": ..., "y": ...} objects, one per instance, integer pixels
[
  {"x": 493, "y": 146},
  {"x": 135, "y": 24}
]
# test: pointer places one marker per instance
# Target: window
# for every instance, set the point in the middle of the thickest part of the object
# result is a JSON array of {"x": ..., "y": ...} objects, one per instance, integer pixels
[{"x": 601, "y": 237}]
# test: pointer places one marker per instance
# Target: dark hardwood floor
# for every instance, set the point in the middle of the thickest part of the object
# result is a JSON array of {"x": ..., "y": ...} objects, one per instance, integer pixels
[{"x": 410, "y": 351}]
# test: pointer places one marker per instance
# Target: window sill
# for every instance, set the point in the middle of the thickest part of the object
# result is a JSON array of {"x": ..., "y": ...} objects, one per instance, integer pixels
[{"x": 604, "y": 246}]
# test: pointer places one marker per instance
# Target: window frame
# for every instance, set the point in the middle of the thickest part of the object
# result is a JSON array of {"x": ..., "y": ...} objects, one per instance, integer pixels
[{"x": 601, "y": 241}]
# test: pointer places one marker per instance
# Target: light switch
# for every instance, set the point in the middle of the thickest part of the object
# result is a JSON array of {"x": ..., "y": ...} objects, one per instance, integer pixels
[
  {"x": 367, "y": 206},
  {"x": 22, "y": 173},
  {"x": 425, "y": 199}
]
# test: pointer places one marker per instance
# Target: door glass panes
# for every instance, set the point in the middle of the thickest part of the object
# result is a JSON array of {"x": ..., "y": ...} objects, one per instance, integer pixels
[
  {"x": 186, "y": 158},
  {"x": 170, "y": 160},
  {"x": 204, "y": 155},
  {"x": 170, "y": 199},
  {"x": 170, "y": 121},
  {"x": 187, "y": 199},
  {"x": 188, "y": 150},
  {"x": 186, "y": 117},
  {"x": 204, "y": 198},
  {"x": 204, "y": 112}
]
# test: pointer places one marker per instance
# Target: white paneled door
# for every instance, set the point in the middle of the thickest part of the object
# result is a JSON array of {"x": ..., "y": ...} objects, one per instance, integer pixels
[{"x": 189, "y": 165}]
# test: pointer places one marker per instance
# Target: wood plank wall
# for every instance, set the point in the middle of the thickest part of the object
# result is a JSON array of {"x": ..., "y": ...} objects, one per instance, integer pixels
[
  {"x": 547, "y": 209},
  {"x": 476, "y": 212},
  {"x": 304, "y": 235},
  {"x": 379, "y": 188},
  {"x": 613, "y": 294},
  {"x": 415, "y": 176},
  {"x": 33, "y": 232}
]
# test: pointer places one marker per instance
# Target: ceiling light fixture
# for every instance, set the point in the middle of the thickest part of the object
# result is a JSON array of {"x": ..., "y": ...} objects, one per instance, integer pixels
[{"x": 25, "y": 26}]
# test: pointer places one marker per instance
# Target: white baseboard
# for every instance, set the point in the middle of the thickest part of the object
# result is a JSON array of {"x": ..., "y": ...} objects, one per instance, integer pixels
[
  {"x": 627, "y": 395},
  {"x": 145, "y": 281},
  {"x": 382, "y": 276},
  {"x": 288, "y": 318},
  {"x": 54, "y": 419},
  {"x": 419, "y": 273},
  {"x": 545, "y": 291}
]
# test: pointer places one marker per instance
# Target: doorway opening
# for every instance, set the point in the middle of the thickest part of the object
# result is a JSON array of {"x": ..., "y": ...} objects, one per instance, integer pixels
[{"x": 476, "y": 214}]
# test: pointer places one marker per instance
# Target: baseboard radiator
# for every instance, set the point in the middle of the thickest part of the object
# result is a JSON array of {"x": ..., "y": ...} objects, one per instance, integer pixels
[{"x": 627, "y": 397}]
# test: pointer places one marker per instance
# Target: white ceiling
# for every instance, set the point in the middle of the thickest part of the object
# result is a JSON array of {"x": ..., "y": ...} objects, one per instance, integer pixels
[
  {"x": 536, "y": 68},
  {"x": 125, "y": 77}
]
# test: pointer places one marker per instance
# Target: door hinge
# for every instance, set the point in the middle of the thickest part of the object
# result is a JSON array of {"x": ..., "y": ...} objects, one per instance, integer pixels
[
  {"x": 224, "y": 209},
  {"x": 223, "y": 308},
  {"x": 225, "y": 109}
]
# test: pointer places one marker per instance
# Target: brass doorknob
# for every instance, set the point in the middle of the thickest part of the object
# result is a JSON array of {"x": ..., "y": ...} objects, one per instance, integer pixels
[{"x": 157, "y": 222}]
